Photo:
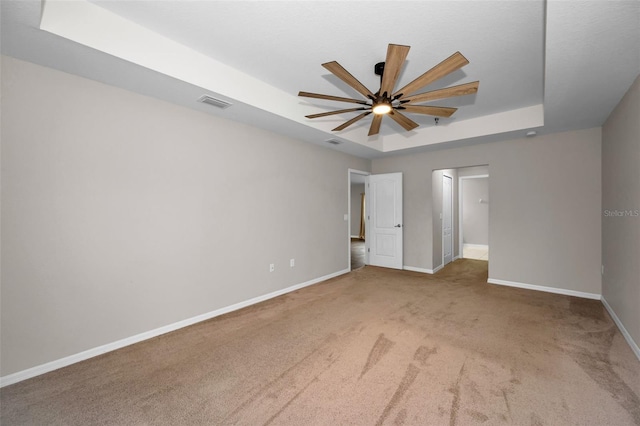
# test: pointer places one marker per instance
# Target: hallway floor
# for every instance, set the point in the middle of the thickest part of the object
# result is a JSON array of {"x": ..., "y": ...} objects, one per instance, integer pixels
[
  {"x": 357, "y": 253},
  {"x": 474, "y": 251}
]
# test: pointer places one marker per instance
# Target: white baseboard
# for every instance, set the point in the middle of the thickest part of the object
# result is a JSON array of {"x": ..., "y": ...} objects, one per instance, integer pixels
[
  {"x": 423, "y": 270},
  {"x": 546, "y": 289},
  {"x": 478, "y": 246},
  {"x": 456, "y": 258},
  {"x": 72, "y": 359},
  {"x": 625, "y": 333},
  {"x": 355, "y": 236}
]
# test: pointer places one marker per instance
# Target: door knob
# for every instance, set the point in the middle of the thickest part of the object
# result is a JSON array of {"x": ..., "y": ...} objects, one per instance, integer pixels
[{"x": 398, "y": 226}]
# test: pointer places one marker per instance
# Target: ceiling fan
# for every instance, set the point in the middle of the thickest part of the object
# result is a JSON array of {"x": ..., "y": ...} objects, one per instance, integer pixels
[{"x": 387, "y": 102}]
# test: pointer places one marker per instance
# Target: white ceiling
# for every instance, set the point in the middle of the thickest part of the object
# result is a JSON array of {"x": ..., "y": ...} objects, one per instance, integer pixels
[{"x": 551, "y": 66}]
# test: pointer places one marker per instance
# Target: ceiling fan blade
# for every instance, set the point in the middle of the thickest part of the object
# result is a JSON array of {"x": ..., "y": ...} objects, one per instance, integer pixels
[
  {"x": 447, "y": 92},
  {"x": 396, "y": 54},
  {"x": 429, "y": 110},
  {"x": 324, "y": 114},
  {"x": 331, "y": 98},
  {"x": 350, "y": 122},
  {"x": 345, "y": 76},
  {"x": 403, "y": 120},
  {"x": 449, "y": 65},
  {"x": 375, "y": 125}
]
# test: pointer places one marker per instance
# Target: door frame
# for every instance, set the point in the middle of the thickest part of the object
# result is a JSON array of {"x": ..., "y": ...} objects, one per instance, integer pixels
[
  {"x": 444, "y": 174},
  {"x": 461, "y": 207},
  {"x": 349, "y": 218}
]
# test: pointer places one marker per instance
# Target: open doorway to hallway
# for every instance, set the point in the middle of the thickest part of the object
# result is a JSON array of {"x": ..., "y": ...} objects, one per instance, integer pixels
[
  {"x": 474, "y": 212},
  {"x": 460, "y": 212}
]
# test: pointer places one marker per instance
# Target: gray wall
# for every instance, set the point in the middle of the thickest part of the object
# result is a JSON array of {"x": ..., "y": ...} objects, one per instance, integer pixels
[
  {"x": 475, "y": 214},
  {"x": 356, "y": 190},
  {"x": 122, "y": 213},
  {"x": 544, "y": 216},
  {"x": 621, "y": 195},
  {"x": 473, "y": 171}
]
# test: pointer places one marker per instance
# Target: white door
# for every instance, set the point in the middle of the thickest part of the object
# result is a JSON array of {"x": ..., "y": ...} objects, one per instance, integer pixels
[
  {"x": 384, "y": 215},
  {"x": 447, "y": 220}
]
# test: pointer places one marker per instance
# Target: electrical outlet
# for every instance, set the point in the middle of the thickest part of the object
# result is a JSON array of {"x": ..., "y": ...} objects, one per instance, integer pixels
[
  {"x": 292, "y": 262},
  {"x": 272, "y": 267}
]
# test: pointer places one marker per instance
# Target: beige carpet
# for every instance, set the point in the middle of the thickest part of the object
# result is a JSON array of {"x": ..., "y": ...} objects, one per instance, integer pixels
[{"x": 372, "y": 347}]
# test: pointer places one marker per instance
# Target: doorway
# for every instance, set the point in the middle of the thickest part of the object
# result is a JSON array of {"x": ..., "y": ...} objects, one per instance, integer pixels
[
  {"x": 444, "y": 213},
  {"x": 378, "y": 218},
  {"x": 447, "y": 219},
  {"x": 467, "y": 234},
  {"x": 357, "y": 214},
  {"x": 474, "y": 216}
]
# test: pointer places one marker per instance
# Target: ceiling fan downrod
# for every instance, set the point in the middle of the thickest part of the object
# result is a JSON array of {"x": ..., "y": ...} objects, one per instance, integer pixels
[
  {"x": 379, "y": 69},
  {"x": 381, "y": 100}
]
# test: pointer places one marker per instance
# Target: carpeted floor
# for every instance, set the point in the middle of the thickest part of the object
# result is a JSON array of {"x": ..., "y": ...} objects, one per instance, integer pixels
[{"x": 372, "y": 347}]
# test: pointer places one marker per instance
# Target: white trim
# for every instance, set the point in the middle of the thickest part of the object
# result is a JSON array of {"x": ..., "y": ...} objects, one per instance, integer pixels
[
  {"x": 473, "y": 176},
  {"x": 81, "y": 356},
  {"x": 456, "y": 257},
  {"x": 546, "y": 289},
  {"x": 354, "y": 236},
  {"x": 625, "y": 333},
  {"x": 478, "y": 246},
  {"x": 422, "y": 270}
]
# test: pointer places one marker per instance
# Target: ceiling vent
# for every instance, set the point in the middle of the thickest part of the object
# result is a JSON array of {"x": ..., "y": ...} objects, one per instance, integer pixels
[
  {"x": 333, "y": 141},
  {"x": 219, "y": 103}
]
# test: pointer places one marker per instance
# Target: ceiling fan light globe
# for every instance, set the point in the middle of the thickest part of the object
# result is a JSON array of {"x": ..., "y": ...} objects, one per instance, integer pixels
[{"x": 381, "y": 109}]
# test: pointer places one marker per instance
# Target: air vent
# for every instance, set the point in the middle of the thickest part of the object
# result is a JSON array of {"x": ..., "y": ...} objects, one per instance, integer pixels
[
  {"x": 206, "y": 99},
  {"x": 333, "y": 141}
]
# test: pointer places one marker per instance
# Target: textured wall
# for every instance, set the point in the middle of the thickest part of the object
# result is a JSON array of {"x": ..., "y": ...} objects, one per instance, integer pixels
[
  {"x": 544, "y": 215},
  {"x": 475, "y": 214},
  {"x": 122, "y": 213},
  {"x": 621, "y": 210}
]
